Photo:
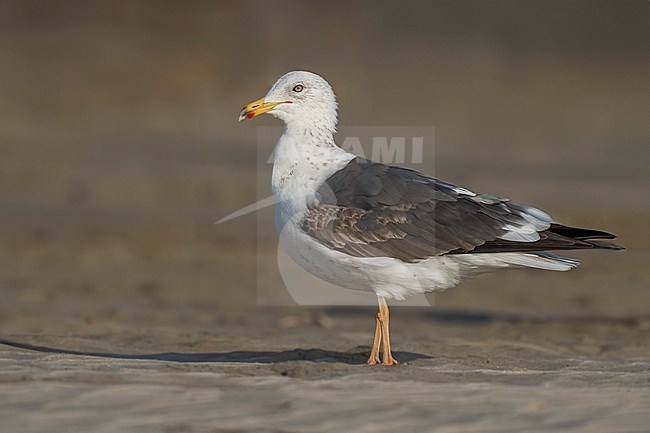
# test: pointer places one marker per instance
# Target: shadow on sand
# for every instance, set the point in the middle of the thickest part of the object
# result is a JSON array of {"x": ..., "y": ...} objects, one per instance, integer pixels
[
  {"x": 243, "y": 356},
  {"x": 481, "y": 318}
]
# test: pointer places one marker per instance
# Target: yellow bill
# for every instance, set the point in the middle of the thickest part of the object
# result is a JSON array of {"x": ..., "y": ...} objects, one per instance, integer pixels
[{"x": 258, "y": 107}]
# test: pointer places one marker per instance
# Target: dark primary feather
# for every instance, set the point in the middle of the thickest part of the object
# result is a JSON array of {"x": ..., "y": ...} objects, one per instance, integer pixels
[{"x": 369, "y": 209}]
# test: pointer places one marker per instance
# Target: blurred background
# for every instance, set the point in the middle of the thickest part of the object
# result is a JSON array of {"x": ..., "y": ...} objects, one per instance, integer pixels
[{"x": 120, "y": 147}]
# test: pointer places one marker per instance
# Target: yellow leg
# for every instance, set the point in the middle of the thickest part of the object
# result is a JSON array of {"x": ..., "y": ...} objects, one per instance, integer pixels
[
  {"x": 381, "y": 341},
  {"x": 376, "y": 342},
  {"x": 384, "y": 321}
]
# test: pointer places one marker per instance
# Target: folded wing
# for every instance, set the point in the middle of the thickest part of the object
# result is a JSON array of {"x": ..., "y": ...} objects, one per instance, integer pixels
[{"x": 369, "y": 209}]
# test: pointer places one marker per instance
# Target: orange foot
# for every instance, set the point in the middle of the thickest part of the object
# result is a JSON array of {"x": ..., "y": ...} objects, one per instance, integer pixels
[
  {"x": 373, "y": 360},
  {"x": 390, "y": 360}
]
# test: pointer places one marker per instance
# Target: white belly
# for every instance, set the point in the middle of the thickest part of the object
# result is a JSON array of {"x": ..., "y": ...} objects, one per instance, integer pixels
[{"x": 388, "y": 277}]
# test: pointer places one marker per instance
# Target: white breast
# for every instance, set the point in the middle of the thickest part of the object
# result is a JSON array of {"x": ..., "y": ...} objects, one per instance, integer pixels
[{"x": 300, "y": 166}]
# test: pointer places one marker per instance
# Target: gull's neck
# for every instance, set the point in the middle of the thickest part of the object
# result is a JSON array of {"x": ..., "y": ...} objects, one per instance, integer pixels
[
  {"x": 317, "y": 129},
  {"x": 304, "y": 158}
]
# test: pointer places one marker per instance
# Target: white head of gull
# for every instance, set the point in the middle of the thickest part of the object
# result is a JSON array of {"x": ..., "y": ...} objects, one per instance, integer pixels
[
  {"x": 393, "y": 231},
  {"x": 305, "y": 102}
]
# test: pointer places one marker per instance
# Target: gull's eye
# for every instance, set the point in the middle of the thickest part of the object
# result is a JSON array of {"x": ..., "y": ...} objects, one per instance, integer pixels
[{"x": 298, "y": 88}]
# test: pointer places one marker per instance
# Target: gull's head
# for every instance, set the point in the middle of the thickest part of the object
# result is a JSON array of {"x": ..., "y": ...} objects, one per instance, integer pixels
[{"x": 298, "y": 98}]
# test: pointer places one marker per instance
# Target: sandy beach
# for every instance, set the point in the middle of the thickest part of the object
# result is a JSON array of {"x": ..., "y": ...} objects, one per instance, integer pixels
[
  {"x": 460, "y": 373},
  {"x": 124, "y": 308}
]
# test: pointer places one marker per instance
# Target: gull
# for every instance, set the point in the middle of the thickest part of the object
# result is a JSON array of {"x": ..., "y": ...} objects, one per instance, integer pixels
[{"x": 390, "y": 230}]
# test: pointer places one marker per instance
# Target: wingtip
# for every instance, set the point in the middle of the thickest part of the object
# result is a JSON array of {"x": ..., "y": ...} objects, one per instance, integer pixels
[{"x": 605, "y": 245}]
